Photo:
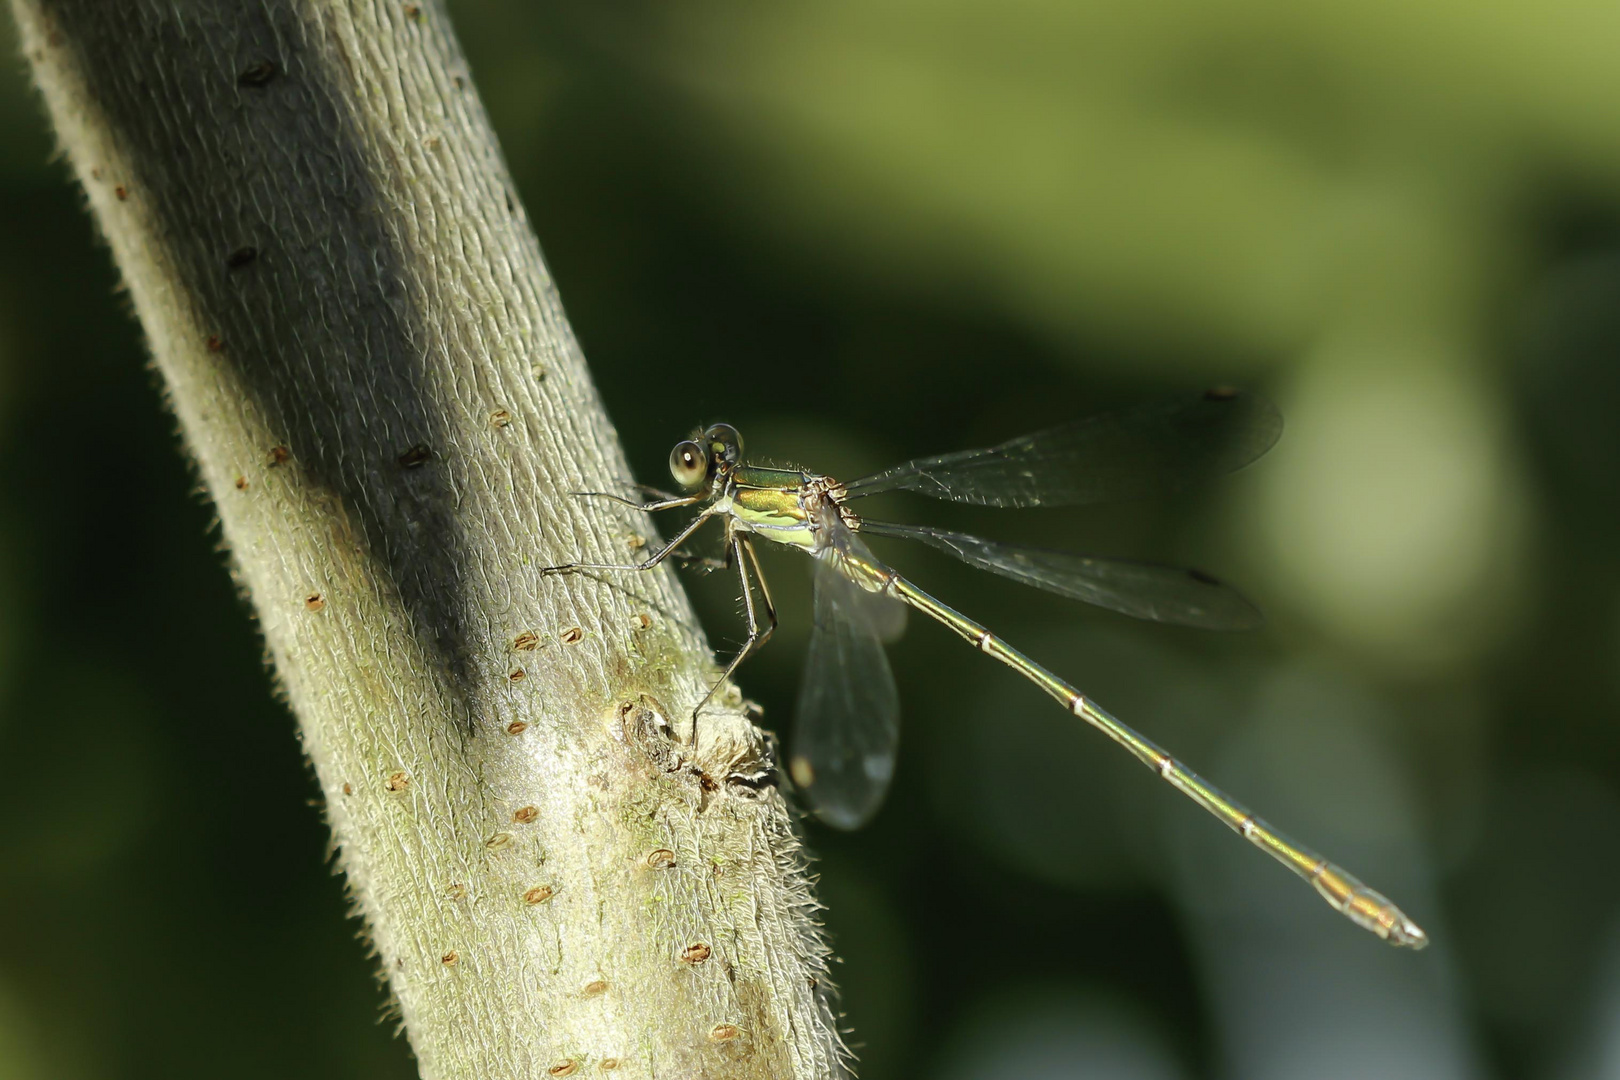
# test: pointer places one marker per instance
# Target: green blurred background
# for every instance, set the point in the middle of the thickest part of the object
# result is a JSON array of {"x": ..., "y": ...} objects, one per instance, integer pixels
[{"x": 862, "y": 230}]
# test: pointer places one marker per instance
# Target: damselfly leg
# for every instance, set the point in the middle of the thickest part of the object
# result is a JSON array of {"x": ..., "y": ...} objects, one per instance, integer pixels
[
  {"x": 650, "y": 561},
  {"x": 741, "y": 556},
  {"x": 741, "y": 549}
]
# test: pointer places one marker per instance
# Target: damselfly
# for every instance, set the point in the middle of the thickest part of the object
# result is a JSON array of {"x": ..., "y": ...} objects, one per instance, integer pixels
[{"x": 847, "y": 726}]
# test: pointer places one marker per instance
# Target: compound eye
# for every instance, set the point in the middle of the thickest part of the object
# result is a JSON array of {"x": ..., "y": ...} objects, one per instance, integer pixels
[
  {"x": 689, "y": 465},
  {"x": 724, "y": 443}
]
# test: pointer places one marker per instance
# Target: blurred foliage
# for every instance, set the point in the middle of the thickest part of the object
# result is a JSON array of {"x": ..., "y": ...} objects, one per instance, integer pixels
[{"x": 867, "y": 229}]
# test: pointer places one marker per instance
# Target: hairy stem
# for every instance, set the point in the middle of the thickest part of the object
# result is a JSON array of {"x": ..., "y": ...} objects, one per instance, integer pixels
[{"x": 373, "y": 372}]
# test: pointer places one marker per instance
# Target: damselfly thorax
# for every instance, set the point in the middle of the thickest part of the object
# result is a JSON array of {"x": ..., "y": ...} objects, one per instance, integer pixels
[{"x": 786, "y": 506}]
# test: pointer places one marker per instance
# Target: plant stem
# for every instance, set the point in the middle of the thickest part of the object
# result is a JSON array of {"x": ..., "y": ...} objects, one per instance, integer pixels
[{"x": 373, "y": 373}]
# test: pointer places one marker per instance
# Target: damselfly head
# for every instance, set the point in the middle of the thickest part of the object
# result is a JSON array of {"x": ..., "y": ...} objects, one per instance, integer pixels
[{"x": 708, "y": 455}]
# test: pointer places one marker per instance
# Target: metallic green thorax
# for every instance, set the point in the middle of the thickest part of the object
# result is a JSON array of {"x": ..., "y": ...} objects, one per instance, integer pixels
[
  {"x": 760, "y": 478},
  {"x": 775, "y": 504}
]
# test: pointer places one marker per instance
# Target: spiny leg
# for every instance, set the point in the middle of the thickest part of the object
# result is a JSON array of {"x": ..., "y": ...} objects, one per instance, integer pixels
[
  {"x": 647, "y": 564},
  {"x": 740, "y": 548},
  {"x": 660, "y": 493},
  {"x": 665, "y": 501},
  {"x": 764, "y": 590}
]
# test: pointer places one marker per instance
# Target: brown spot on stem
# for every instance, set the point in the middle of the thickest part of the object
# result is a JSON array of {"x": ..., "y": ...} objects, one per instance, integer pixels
[
  {"x": 609, "y": 1064},
  {"x": 450, "y": 959},
  {"x": 456, "y": 891},
  {"x": 723, "y": 1032},
  {"x": 257, "y": 75},
  {"x": 526, "y": 641},
  {"x": 314, "y": 601},
  {"x": 498, "y": 841},
  {"x": 563, "y": 1068},
  {"x": 696, "y": 953},
  {"x": 517, "y": 675},
  {"x": 640, "y": 621},
  {"x": 416, "y": 456},
  {"x": 526, "y": 815},
  {"x": 278, "y": 455},
  {"x": 571, "y": 636},
  {"x": 500, "y": 418},
  {"x": 398, "y": 780},
  {"x": 517, "y": 727},
  {"x": 241, "y": 483},
  {"x": 348, "y": 788},
  {"x": 215, "y": 343},
  {"x": 595, "y": 988},
  {"x": 539, "y": 894},
  {"x": 121, "y": 192},
  {"x": 661, "y": 859}
]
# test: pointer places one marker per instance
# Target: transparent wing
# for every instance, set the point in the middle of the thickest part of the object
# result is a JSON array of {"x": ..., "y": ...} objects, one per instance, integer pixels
[
  {"x": 884, "y": 614},
  {"x": 847, "y": 727},
  {"x": 1131, "y": 454},
  {"x": 1165, "y": 594}
]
